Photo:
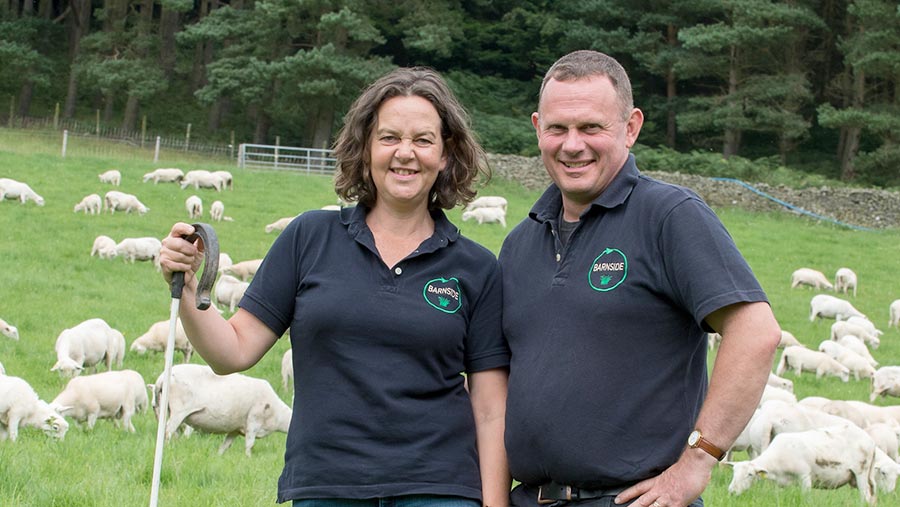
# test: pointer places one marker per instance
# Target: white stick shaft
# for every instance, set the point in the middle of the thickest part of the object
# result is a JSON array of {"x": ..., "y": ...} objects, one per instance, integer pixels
[{"x": 163, "y": 403}]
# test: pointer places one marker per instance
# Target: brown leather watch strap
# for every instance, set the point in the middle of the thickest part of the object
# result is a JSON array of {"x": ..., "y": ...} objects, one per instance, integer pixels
[{"x": 706, "y": 445}]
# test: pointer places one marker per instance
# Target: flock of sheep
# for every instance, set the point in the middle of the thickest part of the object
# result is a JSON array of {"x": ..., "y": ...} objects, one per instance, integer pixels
[{"x": 815, "y": 441}]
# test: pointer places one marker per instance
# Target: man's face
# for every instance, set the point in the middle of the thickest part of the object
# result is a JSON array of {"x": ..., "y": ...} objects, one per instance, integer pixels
[{"x": 584, "y": 137}]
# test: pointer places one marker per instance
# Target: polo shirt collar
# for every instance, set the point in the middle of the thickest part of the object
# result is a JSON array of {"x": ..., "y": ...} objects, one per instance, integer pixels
[
  {"x": 354, "y": 218},
  {"x": 548, "y": 206}
]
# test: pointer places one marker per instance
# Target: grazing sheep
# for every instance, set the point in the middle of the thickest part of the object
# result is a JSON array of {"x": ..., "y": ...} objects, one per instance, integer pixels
[
  {"x": 12, "y": 189},
  {"x": 811, "y": 277},
  {"x": 90, "y": 204},
  {"x": 777, "y": 416},
  {"x": 842, "y": 328},
  {"x": 120, "y": 201},
  {"x": 139, "y": 249},
  {"x": 21, "y": 406},
  {"x": 279, "y": 224},
  {"x": 287, "y": 369},
  {"x": 894, "y": 311},
  {"x": 885, "y": 471},
  {"x": 774, "y": 393},
  {"x": 194, "y": 206},
  {"x": 2, "y": 370},
  {"x": 165, "y": 175},
  {"x": 233, "y": 404},
  {"x": 488, "y": 201},
  {"x": 856, "y": 345},
  {"x": 830, "y": 307},
  {"x": 86, "y": 345},
  {"x": 226, "y": 178},
  {"x": 859, "y": 366},
  {"x": 844, "y": 280},
  {"x": 104, "y": 247},
  {"x": 780, "y": 382},
  {"x": 886, "y": 382},
  {"x": 217, "y": 211},
  {"x": 826, "y": 458},
  {"x": 107, "y": 395},
  {"x": 8, "y": 330},
  {"x": 202, "y": 179},
  {"x": 244, "y": 269},
  {"x": 885, "y": 437},
  {"x": 788, "y": 340},
  {"x": 799, "y": 359},
  {"x": 224, "y": 261},
  {"x": 112, "y": 177},
  {"x": 229, "y": 291},
  {"x": 486, "y": 215},
  {"x": 157, "y": 337},
  {"x": 866, "y": 324}
]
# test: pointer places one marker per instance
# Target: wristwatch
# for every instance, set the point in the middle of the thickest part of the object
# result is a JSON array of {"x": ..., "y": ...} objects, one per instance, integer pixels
[{"x": 695, "y": 440}]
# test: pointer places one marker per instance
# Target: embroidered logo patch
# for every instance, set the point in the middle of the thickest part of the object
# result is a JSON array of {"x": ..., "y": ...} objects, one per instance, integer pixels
[
  {"x": 608, "y": 270},
  {"x": 443, "y": 294}
]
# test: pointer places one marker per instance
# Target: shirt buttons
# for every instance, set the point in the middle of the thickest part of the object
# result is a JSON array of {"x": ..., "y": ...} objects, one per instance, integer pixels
[
  {"x": 398, "y": 271},
  {"x": 557, "y": 257}
]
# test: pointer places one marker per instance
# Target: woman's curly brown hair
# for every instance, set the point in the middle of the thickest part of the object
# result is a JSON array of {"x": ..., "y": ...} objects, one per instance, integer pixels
[{"x": 465, "y": 156}]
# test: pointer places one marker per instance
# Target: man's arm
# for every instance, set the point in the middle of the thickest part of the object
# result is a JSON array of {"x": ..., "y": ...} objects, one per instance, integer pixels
[{"x": 750, "y": 335}]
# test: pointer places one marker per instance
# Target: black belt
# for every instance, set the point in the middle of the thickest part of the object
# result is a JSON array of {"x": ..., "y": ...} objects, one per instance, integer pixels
[{"x": 552, "y": 492}]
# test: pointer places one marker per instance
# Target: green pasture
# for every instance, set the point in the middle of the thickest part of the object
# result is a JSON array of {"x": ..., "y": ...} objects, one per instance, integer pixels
[{"x": 48, "y": 282}]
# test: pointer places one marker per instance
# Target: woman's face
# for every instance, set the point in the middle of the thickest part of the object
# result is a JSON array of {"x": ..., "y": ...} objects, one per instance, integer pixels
[{"x": 406, "y": 152}]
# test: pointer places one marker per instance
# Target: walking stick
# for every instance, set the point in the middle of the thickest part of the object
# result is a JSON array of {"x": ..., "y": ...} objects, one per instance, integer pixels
[{"x": 210, "y": 267}]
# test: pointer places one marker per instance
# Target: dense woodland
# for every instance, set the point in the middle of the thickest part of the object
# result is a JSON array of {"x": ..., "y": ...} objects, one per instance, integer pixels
[{"x": 812, "y": 84}]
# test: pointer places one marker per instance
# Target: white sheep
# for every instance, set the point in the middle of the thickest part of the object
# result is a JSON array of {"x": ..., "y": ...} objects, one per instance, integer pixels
[
  {"x": 279, "y": 224},
  {"x": 2, "y": 370},
  {"x": 165, "y": 175},
  {"x": 12, "y": 189},
  {"x": 157, "y": 336},
  {"x": 287, "y": 369},
  {"x": 844, "y": 280},
  {"x": 886, "y": 382},
  {"x": 855, "y": 344},
  {"x": 8, "y": 330},
  {"x": 780, "y": 382},
  {"x": 487, "y": 201},
  {"x": 331, "y": 207},
  {"x": 894, "y": 311},
  {"x": 233, "y": 404},
  {"x": 830, "y": 307},
  {"x": 826, "y": 458},
  {"x": 112, "y": 177},
  {"x": 788, "y": 340},
  {"x": 194, "y": 206},
  {"x": 486, "y": 215},
  {"x": 202, "y": 179},
  {"x": 120, "y": 201},
  {"x": 108, "y": 395},
  {"x": 104, "y": 247},
  {"x": 774, "y": 393},
  {"x": 226, "y": 178},
  {"x": 217, "y": 211},
  {"x": 776, "y": 416},
  {"x": 885, "y": 437},
  {"x": 859, "y": 366},
  {"x": 811, "y": 277},
  {"x": 842, "y": 328},
  {"x": 886, "y": 471},
  {"x": 21, "y": 406},
  {"x": 229, "y": 291},
  {"x": 224, "y": 261},
  {"x": 866, "y": 324},
  {"x": 86, "y": 345},
  {"x": 244, "y": 270},
  {"x": 139, "y": 249},
  {"x": 90, "y": 204},
  {"x": 799, "y": 359}
]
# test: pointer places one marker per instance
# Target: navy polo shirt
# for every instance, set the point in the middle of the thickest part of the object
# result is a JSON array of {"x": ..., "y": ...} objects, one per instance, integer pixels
[
  {"x": 379, "y": 403},
  {"x": 608, "y": 343}
]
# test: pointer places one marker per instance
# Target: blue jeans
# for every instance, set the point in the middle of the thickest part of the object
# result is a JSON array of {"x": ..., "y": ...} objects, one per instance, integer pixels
[{"x": 391, "y": 501}]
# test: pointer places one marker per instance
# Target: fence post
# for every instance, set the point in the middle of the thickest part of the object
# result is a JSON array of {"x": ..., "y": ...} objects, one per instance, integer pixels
[
  {"x": 143, "y": 130},
  {"x": 156, "y": 151},
  {"x": 56, "y": 117},
  {"x": 187, "y": 137},
  {"x": 65, "y": 142},
  {"x": 277, "y": 144},
  {"x": 231, "y": 146},
  {"x": 240, "y": 159},
  {"x": 98, "y": 123},
  {"x": 12, "y": 110}
]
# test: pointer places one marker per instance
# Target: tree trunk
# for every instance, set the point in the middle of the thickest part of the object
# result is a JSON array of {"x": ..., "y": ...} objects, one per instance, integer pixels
[
  {"x": 851, "y": 147},
  {"x": 78, "y": 25},
  {"x": 25, "y": 95},
  {"x": 169, "y": 21},
  {"x": 198, "y": 72},
  {"x": 109, "y": 103},
  {"x": 129, "y": 119},
  {"x": 671, "y": 91},
  {"x": 263, "y": 123},
  {"x": 218, "y": 110},
  {"x": 322, "y": 126},
  {"x": 732, "y": 135}
]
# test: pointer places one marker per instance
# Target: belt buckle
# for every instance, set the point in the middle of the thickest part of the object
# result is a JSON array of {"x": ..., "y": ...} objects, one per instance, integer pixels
[{"x": 560, "y": 489}]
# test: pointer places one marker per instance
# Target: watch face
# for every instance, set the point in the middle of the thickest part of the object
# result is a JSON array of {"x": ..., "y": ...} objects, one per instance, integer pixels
[{"x": 693, "y": 438}]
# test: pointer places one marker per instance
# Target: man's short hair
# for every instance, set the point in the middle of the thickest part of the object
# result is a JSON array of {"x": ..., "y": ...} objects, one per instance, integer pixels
[{"x": 586, "y": 63}]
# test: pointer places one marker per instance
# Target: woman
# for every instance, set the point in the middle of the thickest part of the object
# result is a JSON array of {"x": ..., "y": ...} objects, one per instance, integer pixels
[{"x": 387, "y": 304}]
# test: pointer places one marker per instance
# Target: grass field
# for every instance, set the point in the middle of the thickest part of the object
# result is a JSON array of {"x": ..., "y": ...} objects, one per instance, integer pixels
[{"x": 49, "y": 282}]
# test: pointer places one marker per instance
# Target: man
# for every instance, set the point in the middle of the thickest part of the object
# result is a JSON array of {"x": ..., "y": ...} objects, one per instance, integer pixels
[{"x": 610, "y": 287}]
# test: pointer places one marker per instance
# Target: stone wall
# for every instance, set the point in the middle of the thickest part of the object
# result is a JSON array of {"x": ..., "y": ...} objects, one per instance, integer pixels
[{"x": 861, "y": 207}]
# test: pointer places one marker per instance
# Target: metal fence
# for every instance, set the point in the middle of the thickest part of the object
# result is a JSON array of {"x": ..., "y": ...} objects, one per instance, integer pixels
[{"x": 264, "y": 156}]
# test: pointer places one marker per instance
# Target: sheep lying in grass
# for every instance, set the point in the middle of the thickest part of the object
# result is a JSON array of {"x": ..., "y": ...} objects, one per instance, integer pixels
[
  {"x": 156, "y": 338},
  {"x": 104, "y": 247},
  {"x": 86, "y": 345},
  {"x": 21, "y": 406},
  {"x": 113, "y": 177},
  {"x": 8, "y": 330},
  {"x": 120, "y": 201},
  {"x": 108, "y": 395},
  {"x": 12, "y": 189},
  {"x": 164, "y": 175},
  {"x": 90, "y": 204},
  {"x": 194, "y": 206}
]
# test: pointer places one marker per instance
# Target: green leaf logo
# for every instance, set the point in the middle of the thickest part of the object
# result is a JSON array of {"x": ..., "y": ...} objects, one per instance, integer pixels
[
  {"x": 443, "y": 294},
  {"x": 608, "y": 270}
]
